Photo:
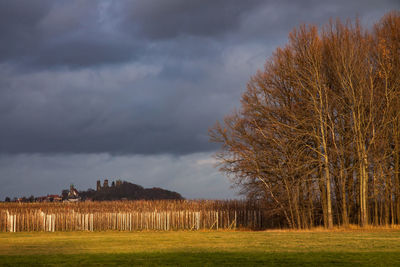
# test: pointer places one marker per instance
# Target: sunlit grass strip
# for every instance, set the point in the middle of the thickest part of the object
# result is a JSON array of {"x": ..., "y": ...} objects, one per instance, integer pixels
[{"x": 200, "y": 248}]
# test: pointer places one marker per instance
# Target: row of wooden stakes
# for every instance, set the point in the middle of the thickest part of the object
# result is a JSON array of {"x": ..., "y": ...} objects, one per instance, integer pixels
[{"x": 129, "y": 221}]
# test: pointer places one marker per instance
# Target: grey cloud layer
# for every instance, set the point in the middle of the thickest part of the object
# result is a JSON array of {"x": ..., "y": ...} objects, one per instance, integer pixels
[
  {"x": 137, "y": 77},
  {"x": 169, "y": 19}
]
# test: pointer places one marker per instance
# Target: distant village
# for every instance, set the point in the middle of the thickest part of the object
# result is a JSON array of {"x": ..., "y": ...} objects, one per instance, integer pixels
[
  {"x": 118, "y": 190},
  {"x": 71, "y": 195}
]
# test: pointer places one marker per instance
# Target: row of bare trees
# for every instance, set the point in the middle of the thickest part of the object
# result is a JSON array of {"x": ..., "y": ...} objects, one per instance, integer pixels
[{"x": 318, "y": 134}]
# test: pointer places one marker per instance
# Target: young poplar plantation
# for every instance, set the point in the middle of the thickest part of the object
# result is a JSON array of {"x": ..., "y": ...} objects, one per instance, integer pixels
[
  {"x": 134, "y": 215},
  {"x": 317, "y": 137}
]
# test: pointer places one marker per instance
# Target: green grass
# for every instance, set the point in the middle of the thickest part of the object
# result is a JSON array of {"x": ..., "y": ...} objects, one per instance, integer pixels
[{"x": 301, "y": 248}]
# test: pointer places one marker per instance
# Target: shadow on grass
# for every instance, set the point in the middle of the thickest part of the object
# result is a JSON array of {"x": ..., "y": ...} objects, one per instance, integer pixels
[{"x": 207, "y": 259}]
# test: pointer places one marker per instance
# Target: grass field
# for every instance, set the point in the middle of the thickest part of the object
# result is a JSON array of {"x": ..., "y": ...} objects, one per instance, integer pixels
[{"x": 241, "y": 248}]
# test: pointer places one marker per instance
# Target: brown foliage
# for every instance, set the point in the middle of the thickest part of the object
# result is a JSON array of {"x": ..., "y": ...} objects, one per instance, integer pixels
[{"x": 318, "y": 133}]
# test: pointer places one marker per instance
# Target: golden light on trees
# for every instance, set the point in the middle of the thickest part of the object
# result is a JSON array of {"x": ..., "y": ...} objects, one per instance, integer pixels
[{"x": 318, "y": 133}]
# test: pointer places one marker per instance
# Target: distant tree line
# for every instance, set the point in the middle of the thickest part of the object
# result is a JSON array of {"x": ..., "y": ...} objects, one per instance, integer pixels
[
  {"x": 121, "y": 190},
  {"x": 128, "y": 191},
  {"x": 23, "y": 199},
  {"x": 317, "y": 137}
]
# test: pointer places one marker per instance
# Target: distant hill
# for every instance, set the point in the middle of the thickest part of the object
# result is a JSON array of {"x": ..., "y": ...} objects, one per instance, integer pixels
[{"x": 129, "y": 191}]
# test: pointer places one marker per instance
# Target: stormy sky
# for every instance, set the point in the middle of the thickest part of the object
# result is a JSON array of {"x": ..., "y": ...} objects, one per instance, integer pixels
[{"x": 128, "y": 89}]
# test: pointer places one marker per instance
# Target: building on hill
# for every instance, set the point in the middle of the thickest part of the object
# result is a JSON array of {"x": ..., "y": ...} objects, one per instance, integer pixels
[
  {"x": 73, "y": 194},
  {"x": 48, "y": 198},
  {"x": 54, "y": 198},
  {"x": 122, "y": 190},
  {"x": 106, "y": 184}
]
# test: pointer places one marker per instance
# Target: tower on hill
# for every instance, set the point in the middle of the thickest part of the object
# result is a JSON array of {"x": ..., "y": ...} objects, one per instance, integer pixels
[{"x": 98, "y": 187}]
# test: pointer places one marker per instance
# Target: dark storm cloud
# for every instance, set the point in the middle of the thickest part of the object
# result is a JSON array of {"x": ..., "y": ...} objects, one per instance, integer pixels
[
  {"x": 137, "y": 77},
  {"x": 157, "y": 19},
  {"x": 103, "y": 111},
  {"x": 91, "y": 33},
  {"x": 18, "y": 22},
  {"x": 60, "y": 33},
  {"x": 84, "y": 53}
]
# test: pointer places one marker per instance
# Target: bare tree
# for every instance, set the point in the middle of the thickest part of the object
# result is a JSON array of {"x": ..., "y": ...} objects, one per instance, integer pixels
[{"x": 318, "y": 133}]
